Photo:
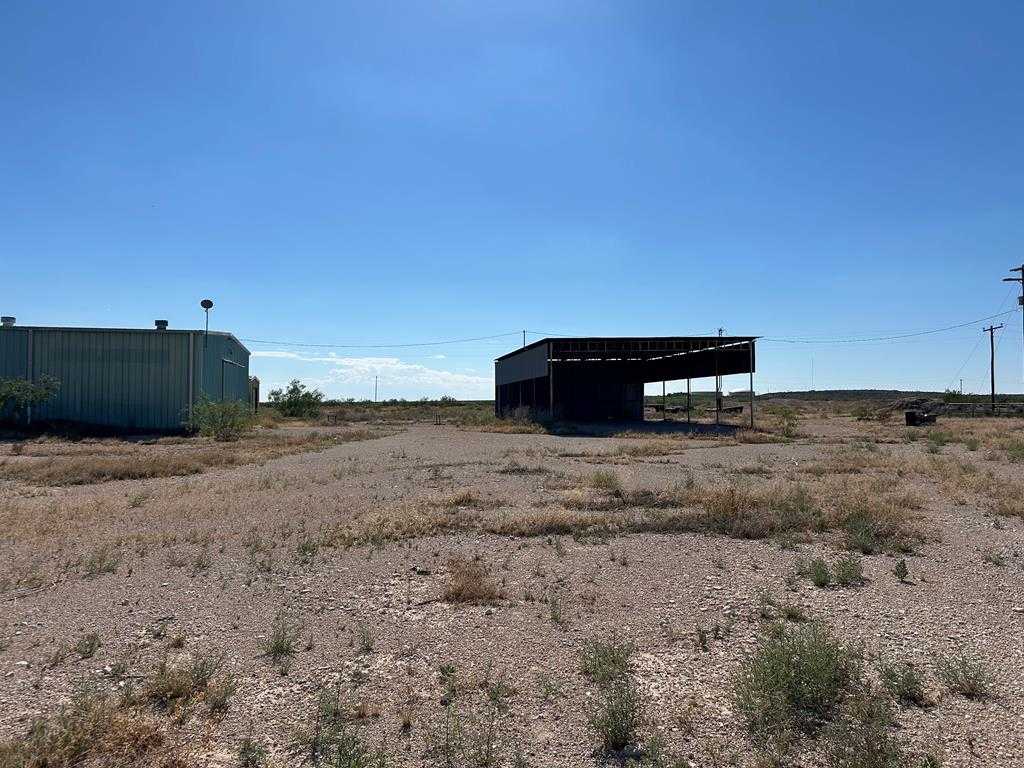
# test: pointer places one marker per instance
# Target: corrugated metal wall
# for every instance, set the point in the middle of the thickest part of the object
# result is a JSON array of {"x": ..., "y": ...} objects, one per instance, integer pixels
[
  {"x": 222, "y": 367},
  {"x": 136, "y": 379}
]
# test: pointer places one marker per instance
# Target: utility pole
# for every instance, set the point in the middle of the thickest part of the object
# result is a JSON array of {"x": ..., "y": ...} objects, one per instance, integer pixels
[
  {"x": 991, "y": 331},
  {"x": 718, "y": 381},
  {"x": 1020, "y": 299},
  {"x": 375, "y": 389},
  {"x": 524, "y": 338}
]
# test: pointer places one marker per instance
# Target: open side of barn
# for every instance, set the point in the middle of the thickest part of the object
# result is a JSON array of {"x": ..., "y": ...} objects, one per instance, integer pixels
[
  {"x": 125, "y": 377},
  {"x": 596, "y": 378}
]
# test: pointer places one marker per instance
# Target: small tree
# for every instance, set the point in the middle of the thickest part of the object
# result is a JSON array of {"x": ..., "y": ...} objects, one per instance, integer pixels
[
  {"x": 17, "y": 395},
  {"x": 297, "y": 401}
]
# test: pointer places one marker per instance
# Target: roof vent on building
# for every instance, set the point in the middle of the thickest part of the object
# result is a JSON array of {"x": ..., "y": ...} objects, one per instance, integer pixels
[
  {"x": 161, "y": 325},
  {"x": 7, "y": 321}
]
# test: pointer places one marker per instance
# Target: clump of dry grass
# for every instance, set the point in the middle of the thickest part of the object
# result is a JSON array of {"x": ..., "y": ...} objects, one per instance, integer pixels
[
  {"x": 470, "y": 581},
  {"x": 873, "y": 517},
  {"x": 467, "y": 498},
  {"x": 92, "y": 729},
  {"x": 138, "y": 461}
]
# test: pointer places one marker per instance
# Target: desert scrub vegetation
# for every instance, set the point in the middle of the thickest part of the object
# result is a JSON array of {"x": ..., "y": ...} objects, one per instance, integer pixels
[
  {"x": 964, "y": 673},
  {"x": 93, "y": 728},
  {"x": 17, "y": 395},
  {"x": 903, "y": 682},
  {"x": 845, "y": 572},
  {"x": 223, "y": 421},
  {"x": 281, "y": 642},
  {"x": 330, "y": 737},
  {"x": 604, "y": 661},
  {"x": 99, "y": 462},
  {"x": 470, "y": 581},
  {"x": 618, "y": 716},
  {"x": 175, "y": 686},
  {"x": 297, "y": 401},
  {"x": 802, "y": 690},
  {"x": 875, "y": 520},
  {"x": 793, "y": 684}
]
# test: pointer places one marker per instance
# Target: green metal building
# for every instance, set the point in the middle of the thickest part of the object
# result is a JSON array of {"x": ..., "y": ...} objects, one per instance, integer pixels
[{"x": 127, "y": 378}]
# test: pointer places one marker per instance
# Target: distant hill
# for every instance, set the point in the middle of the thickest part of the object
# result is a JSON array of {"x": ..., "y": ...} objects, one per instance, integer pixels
[
  {"x": 851, "y": 394},
  {"x": 884, "y": 395}
]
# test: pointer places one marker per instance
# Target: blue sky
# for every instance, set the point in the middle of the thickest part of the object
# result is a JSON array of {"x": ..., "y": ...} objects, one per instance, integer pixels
[{"x": 365, "y": 173}]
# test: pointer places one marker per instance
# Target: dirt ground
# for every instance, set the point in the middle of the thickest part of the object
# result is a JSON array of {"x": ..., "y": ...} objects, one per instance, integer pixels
[{"x": 335, "y": 572}]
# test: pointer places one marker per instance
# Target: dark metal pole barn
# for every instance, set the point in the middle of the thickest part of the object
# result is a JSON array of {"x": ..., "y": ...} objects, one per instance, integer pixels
[{"x": 596, "y": 378}]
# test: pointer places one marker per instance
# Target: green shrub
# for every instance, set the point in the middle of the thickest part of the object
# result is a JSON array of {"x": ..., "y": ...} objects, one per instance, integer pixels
[
  {"x": 861, "y": 736},
  {"x": 1015, "y": 450},
  {"x": 18, "y": 395},
  {"x": 962, "y": 672},
  {"x": 251, "y": 754},
  {"x": 903, "y": 682},
  {"x": 819, "y": 573},
  {"x": 848, "y": 572},
  {"x": 226, "y": 421},
  {"x": 297, "y": 401},
  {"x": 793, "y": 683},
  {"x": 605, "y": 662},
  {"x": 619, "y": 716},
  {"x": 331, "y": 740},
  {"x": 280, "y": 643}
]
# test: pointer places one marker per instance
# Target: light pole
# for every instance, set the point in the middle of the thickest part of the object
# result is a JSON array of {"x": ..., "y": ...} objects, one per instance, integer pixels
[
  {"x": 207, "y": 305},
  {"x": 1020, "y": 299}
]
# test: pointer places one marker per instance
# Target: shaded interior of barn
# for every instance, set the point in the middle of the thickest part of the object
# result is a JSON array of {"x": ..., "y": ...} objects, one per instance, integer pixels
[{"x": 598, "y": 378}]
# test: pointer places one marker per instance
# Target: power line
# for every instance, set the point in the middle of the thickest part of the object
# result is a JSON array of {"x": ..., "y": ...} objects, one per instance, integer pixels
[
  {"x": 888, "y": 338},
  {"x": 541, "y": 334}
]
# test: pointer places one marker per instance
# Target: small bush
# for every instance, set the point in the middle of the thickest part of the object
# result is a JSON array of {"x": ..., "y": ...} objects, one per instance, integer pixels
[
  {"x": 848, "y": 572},
  {"x": 603, "y": 480},
  {"x": 469, "y": 581},
  {"x": 861, "y": 736},
  {"x": 251, "y": 754},
  {"x": 17, "y": 395},
  {"x": 793, "y": 683},
  {"x": 330, "y": 739},
  {"x": 219, "y": 693},
  {"x": 1015, "y": 450},
  {"x": 605, "y": 662},
  {"x": 819, "y": 572},
  {"x": 226, "y": 421},
  {"x": 175, "y": 686},
  {"x": 280, "y": 643},
  {"x": 91, "y": 729},
  {"x": 900, "y": 570},
  {"x": 296, "y": 401},
  {"x": 963, "y": 673},
  {"x": 619, "y": 716},
  {"x": 88, "y": 645},
  {"x": 903, "y": 682}
]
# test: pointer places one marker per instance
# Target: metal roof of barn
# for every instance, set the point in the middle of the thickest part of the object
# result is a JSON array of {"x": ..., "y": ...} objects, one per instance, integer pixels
[
  {"x": 634, "y": 347},
  {"x": 77, "y": 329}
]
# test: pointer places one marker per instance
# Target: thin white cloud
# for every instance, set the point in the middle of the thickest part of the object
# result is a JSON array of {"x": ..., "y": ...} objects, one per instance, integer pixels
[{"x": 395, "y": 377}]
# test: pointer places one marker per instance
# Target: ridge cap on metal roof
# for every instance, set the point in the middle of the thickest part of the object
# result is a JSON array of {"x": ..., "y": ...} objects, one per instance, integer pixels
[
  {"x": 616, "y": 338},
  {"x": 97, "y": 329}
]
